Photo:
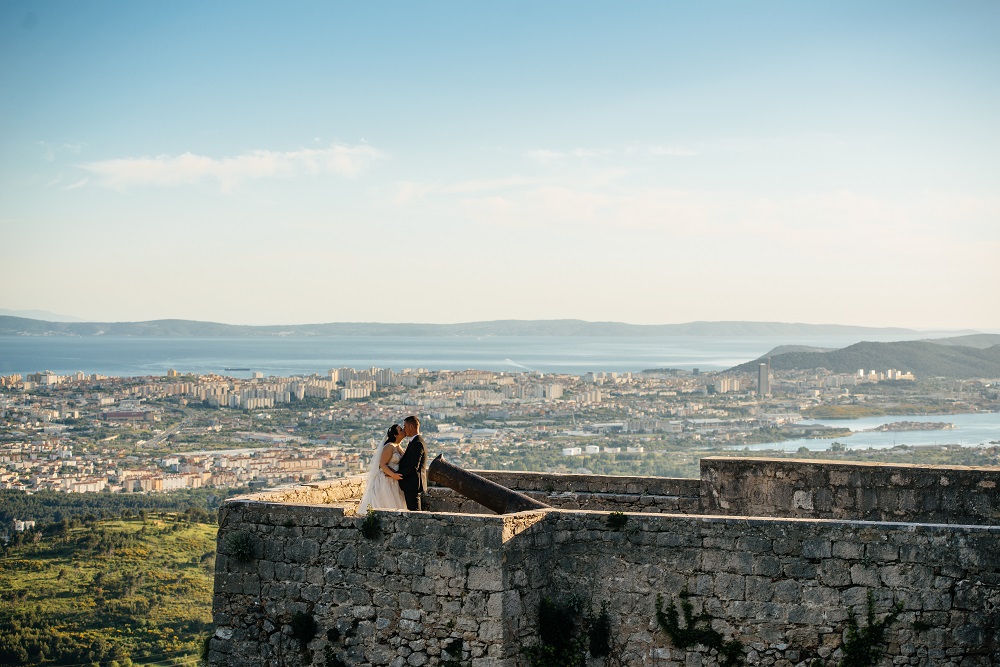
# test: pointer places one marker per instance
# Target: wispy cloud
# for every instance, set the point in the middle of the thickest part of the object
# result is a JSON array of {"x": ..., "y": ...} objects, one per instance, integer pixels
[
  {"x": 230, "y": 172},
  {"x": 51, "y": 150},
  {"x": 79, "y": 184}
]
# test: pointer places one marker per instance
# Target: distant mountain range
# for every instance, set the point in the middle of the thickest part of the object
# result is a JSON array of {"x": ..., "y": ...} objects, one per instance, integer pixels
[
  {"x": 973, "y": 356},
  {"x": 964, "y": 356},
  {"x": 41, "y": 315},
  {"x": 184, "y": 328}
]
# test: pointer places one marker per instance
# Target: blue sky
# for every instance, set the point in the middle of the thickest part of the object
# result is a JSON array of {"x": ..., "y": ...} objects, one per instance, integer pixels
[{"x": 644, "y": 162}]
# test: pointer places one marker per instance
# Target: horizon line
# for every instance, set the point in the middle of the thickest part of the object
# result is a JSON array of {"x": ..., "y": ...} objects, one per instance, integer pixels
[{"x": 932, "y": 329}]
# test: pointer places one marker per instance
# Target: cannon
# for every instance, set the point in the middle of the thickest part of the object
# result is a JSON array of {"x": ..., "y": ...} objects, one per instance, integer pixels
[{"x": 489, "y": 494}]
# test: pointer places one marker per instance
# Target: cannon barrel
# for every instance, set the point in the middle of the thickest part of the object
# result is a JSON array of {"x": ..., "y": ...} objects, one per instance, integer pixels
[{"x": 489, "y": 494}]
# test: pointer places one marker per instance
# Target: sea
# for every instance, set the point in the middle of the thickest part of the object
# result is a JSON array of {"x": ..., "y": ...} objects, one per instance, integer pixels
[
  {"x": 971, "y": 430},
  {"x": 293, "y": 355}
]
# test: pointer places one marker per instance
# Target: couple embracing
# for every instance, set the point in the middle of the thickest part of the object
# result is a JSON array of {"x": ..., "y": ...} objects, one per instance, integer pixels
[{"x": 397, "y": 475}]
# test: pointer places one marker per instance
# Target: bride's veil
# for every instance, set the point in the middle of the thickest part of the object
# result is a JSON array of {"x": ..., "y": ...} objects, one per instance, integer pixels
[
  {"x": 373, "y": 467},
  {"x": 374, "y": 470}
]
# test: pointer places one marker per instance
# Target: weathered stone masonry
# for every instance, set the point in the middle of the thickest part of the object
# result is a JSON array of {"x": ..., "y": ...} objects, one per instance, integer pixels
[{"x": 443, "y": 587}]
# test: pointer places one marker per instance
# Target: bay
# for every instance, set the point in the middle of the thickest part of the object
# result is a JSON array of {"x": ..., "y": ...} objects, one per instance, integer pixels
[
  {"x": 971, "y": 429},
  {"x": 286, "y": 356}
]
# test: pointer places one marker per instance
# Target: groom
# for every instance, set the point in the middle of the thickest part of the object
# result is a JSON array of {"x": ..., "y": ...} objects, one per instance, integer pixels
[{"x": 413, "y": 465}]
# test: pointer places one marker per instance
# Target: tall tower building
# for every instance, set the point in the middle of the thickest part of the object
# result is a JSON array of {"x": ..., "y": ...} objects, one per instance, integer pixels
[{"x": 764, "y": 379}]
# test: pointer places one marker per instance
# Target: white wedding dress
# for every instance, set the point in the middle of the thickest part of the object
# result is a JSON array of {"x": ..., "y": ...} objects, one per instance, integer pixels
[{"x": 382, "y": 492}]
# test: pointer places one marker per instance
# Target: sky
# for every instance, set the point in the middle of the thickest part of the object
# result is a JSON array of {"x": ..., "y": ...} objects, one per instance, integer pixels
[{"x": 645, "y": 162}]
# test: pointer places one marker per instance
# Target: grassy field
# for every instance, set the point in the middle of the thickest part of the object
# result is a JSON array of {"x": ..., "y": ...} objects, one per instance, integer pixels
[{"x": 107, "y": 592}]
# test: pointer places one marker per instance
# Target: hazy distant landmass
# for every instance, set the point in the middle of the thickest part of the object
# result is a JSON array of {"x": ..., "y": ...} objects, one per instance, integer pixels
[
  {"x": 41, "y": 315},
  {"x": 923, "y": 358},
  {"x": 981, "y": 341},
  {"x": 190, "y": 328},
  {"x": 787, "y": 349}
]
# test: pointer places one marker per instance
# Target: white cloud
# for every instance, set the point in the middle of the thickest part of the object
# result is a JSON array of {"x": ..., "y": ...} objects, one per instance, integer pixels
[
  {"x": 230, "y": 172},
  {"x": 51, "y": 150},
  {"x": 79, "y": 184}
]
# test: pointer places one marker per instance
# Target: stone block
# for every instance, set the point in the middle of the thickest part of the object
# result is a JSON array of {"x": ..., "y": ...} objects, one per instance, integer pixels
[
  {"x": 251, "y": 586},
  {"x": 784, "y": 545},
  {"x": 799, "y": 569},
  {"x": 417, "y": 659},
  {"x": 882, "y": 552},
  {"x": 847, "y": 550},
  {"x": 385, "y": 599},
  {"x": 753, "y": 544},
  {"x": 894, "y": 576},
  {"x": 485, "y": 579},
  {"x": 864, "y": 576},
  {"x": 347, "y": 558},
  {"x": 363, "y": 612},
  {"x": 821, "y": 596},
  {"x": 407, "y": 625},
  {"x": 311, "y": 592},
  {"x": 834, "y": 572},
  {"x": 801, "y": 614},
  {"x": 411, "y": 564},
  {"x": 730, "y": 586},
  {"x": 816, "y": 548},
  {"x": 788, "y": 590},
  {"x": 424, "y": 585},
  {"x": 766, "y": 566},
  {"x": 703, "y": 585},
  {"x": 759, "y": 589},
  {"x": 474, "y": 604},
  {"x": 490, "y": 631}
]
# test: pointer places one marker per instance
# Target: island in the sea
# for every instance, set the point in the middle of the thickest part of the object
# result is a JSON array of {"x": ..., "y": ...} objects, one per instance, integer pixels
[{"x": 913, "y": 426}]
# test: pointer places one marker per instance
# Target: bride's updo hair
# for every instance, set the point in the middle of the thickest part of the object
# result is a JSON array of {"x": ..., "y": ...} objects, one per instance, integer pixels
[{"x": 392, "y": 433}]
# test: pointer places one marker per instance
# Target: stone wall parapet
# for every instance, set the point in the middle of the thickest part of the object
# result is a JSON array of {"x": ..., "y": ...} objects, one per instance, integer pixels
[
  {"x": 446, "y": 587},
  {"x": 609, "y": 484},
  {"x": 850, "y": 490}
]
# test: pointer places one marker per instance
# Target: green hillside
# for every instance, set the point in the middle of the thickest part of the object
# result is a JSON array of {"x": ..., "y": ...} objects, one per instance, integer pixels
[
  {"x": 924, "y": 359},
  {"x": 107, "y": 592}
]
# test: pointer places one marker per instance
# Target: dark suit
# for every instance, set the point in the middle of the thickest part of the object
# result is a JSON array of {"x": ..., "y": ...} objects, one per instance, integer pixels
[{"x": 413, "y": 468}]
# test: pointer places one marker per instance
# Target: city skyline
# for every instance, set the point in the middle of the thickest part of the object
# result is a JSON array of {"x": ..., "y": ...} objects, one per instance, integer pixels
[{"x": 652, "y": 163}]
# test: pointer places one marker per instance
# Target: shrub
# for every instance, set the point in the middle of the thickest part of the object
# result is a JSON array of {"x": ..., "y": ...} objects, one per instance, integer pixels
[
  {"x": 617, "y": 520},
  {"x": 696, "y": 630},
  {"x": 303, "y": 628},
  {"x": 240, "y": 546},
  {"x": 371, "y": 527}
]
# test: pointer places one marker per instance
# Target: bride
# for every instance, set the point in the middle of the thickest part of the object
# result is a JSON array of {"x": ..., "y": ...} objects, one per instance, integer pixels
[{"x": 382, "y": 484}]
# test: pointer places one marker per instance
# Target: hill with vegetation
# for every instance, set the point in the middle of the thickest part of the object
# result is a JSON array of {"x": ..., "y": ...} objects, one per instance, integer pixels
[
  {"x": 45, "y": 507},
  {"x": 107, "y": 592},
  {"x": 981, "y": 341},
  {"x": 20, "y": 326},
  {"x": 924, "y": 359}
]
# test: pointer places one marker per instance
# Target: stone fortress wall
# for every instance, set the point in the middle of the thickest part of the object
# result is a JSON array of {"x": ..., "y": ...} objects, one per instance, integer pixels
[{"x": 775, "y": 553}]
